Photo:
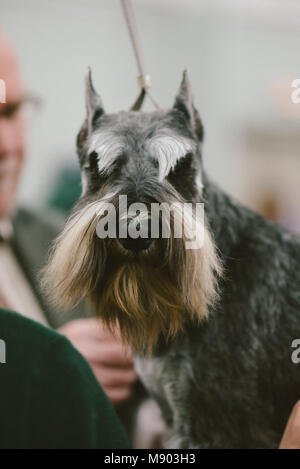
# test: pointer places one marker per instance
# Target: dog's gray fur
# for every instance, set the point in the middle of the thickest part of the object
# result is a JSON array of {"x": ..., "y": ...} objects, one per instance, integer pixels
[{"x": 228, "y": 382}]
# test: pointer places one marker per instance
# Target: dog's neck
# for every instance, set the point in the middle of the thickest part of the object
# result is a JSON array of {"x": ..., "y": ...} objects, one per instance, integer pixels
[{"x": 222, "y": 214}]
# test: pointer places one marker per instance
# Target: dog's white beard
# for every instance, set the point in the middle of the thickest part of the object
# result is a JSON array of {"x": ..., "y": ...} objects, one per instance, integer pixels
[{"x": 145, "y": 298}]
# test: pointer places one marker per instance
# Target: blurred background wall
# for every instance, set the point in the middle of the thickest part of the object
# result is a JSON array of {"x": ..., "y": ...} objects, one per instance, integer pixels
[{"x": 242, "y": 56}]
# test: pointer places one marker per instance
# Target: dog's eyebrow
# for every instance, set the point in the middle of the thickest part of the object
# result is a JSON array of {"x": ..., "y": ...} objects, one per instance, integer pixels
[
  {"x": 109, "y": 146},
  {"x": 168, "y": 148}
]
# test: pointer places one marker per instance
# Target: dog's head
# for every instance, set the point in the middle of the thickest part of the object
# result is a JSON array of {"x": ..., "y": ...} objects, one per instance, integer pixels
[{"x": 136, "y": 244}]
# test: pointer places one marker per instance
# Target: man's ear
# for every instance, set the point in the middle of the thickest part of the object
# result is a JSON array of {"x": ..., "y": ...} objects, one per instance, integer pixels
[
  {"x": 93, "y": 102},
  {"x": 184, "y": 103}
]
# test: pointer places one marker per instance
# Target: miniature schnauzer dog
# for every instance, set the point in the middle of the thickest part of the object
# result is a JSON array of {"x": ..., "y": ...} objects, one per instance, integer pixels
[{"x": 211, "y": 326}]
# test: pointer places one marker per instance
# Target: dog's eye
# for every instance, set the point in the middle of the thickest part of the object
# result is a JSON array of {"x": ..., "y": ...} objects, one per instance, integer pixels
[
  {"x": 183, "y": 163},
  {"x": 93, "y": 155},
  {"x": 91, "y": 162}
]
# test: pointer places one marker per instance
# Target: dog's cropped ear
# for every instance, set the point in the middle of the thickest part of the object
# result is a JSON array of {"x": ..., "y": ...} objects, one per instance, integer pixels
[
  {"x": 94, "y": 110},
  {"x": 93, "y": 102},
  {"x": 184, "y": 103}
]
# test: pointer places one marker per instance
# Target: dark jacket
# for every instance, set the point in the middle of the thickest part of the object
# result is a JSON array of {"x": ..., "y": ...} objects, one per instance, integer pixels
[
  {"x": 33, "y": 235},
  {"x": 49, "y": 396}
]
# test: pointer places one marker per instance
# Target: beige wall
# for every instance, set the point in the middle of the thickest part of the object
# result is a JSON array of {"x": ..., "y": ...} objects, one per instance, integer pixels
[{"x": 236, "y": 52}]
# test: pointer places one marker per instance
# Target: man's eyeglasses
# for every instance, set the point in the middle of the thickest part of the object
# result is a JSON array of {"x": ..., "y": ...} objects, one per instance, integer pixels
[{"x": 29, "y": 104}]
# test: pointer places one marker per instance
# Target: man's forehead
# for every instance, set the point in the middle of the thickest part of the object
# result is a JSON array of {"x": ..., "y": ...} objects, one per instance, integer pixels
[{"x": 10, "y": 72}]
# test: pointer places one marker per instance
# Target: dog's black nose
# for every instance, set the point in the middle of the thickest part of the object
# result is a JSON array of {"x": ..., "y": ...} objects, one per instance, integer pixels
[
  {"x": 135, "y": 245},
  {"x": 134, "y": 233}
]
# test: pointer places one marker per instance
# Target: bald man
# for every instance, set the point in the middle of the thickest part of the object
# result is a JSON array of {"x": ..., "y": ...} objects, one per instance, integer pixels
[
  {"x": 25, "y": 239},
  {"x": 12, "y": 137}
]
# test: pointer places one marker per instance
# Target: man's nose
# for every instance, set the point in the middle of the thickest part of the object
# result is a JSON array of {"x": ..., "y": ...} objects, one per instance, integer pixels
[{"x": 9, "y": 138}]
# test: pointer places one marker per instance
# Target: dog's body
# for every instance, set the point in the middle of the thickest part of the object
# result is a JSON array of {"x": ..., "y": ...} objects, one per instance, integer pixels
[
  {"x": 230, "y": 382},
  {"x": 212, "y": 327}
]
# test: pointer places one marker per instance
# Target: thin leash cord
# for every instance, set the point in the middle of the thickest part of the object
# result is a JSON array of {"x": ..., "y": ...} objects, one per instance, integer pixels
[{"x": 144, "y": 79}]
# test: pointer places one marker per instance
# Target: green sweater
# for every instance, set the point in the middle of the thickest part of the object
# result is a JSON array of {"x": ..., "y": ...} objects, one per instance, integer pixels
[{"x": 49, "y": 396}]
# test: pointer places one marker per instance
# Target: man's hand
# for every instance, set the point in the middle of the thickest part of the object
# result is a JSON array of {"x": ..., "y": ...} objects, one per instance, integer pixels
[
  {"x": 111, "y": 362},
  {"x": 291, "y": 436}
]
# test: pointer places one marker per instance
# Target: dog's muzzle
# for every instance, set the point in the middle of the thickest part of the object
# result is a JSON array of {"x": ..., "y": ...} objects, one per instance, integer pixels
[{"x": 134, "y": 231}]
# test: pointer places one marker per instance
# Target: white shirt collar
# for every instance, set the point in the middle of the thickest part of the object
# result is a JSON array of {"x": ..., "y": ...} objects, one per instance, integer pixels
[{"x": 6, "y": 229}]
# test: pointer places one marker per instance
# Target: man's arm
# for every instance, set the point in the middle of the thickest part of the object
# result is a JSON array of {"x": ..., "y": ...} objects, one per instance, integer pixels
[{"x": 110, "y": 361}]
